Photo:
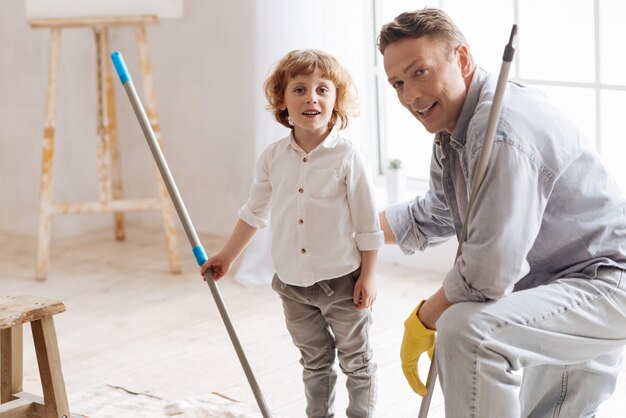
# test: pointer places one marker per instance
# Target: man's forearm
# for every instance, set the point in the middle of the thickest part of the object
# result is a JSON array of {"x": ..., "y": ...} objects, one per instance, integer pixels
[
  {"x": 433, "y": 308},
  {"x": 386, "y": 228}
]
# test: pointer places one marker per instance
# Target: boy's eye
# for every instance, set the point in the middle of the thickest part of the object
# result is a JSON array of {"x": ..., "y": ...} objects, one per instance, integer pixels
[
  {"x": 323, "y": 89},
  {"x": 298, "y": 90}
]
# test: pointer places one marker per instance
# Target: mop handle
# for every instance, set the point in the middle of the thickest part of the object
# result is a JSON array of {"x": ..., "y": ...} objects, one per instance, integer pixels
[
  {"x": 198, "y": 250},
  {"x": 483, "y": 162}
]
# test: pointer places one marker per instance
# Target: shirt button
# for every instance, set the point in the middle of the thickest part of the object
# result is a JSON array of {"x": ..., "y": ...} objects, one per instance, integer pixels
[
  {"x": 300, "y": 190},
  {"x": 305, "y": 159},
  {"x": 303, "y": 251},
  {"x": 300, "y": 221}
]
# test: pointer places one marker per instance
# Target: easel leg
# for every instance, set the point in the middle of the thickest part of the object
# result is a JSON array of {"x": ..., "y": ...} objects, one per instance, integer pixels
[
  {"x": 104, "y": 147},
  {"x": 45, "y": 200},
  {"x": 150, "y": 105},
  {"x": 109, "y": 171},
  {"x": 11, "y": 363},
  {"x": 49, "y": 361},
  {"x": 111, "y": 126}
]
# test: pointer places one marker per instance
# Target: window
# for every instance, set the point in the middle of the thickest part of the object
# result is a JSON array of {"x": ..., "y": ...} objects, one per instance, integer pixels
[{"x": 568, "y": 49}]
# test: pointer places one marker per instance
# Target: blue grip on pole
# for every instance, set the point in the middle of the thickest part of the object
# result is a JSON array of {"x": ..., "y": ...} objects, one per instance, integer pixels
[
  {"x": 120, "y": 67},
  {"x": 200, "y": 255}
]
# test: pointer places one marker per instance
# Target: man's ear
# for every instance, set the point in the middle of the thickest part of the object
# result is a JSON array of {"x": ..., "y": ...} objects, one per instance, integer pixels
[{"x": 464, "y": 60}]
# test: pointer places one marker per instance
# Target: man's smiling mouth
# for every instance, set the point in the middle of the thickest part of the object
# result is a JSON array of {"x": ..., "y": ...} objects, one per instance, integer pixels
[{"x": 425, "y": 110}]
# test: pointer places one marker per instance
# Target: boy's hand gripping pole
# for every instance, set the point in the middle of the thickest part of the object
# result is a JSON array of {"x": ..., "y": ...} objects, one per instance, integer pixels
[
  {"x": 197, "y": 248},
  {"x": 483, "y": 162}
]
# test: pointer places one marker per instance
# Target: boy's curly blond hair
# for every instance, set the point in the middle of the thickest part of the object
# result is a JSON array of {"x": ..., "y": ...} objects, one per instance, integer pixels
[{"x": 306, "y": 61}]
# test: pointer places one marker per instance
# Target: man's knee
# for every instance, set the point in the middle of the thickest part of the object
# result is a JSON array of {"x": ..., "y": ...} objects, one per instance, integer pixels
[{"x": 462, "y": 323}]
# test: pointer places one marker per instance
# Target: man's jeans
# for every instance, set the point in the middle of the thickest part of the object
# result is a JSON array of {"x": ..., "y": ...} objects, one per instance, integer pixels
[
  {"x": 322, "y": 319},
  {"x": 567, "y": 336}
]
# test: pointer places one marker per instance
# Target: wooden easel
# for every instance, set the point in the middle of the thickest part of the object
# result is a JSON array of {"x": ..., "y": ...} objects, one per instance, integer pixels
[{"x": 108, "y": 160}]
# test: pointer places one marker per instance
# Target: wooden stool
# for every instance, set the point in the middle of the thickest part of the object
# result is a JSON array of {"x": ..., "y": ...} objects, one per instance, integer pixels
[
  {"x": 110, "y": 195},
  {"x": 15, "y": 310}
]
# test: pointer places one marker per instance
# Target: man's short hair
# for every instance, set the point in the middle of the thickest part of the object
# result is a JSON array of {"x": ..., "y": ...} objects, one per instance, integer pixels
[{"x": 428, "y": 21}]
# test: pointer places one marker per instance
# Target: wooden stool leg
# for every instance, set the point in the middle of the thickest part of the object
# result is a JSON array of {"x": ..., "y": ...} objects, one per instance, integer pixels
[
  {"x": 111, "y": 127},
  {"x": 49, "y": 361},
  {"x": 150, "y": 105},
  {"x": 45, "y": 201},
  {"x": 11, "y": 363}
]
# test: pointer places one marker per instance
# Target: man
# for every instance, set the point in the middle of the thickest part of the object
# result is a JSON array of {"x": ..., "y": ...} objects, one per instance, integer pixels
[{"x": 540, "y": 282}]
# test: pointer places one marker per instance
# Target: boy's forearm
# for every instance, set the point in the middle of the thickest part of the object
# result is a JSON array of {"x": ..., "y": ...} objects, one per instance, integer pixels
[
  {"x": 238, "y": 240},
  {"x": 368, "y": 262}
]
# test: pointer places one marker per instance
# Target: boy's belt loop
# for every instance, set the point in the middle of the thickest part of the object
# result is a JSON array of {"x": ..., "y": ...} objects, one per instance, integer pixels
[{"x": 326, "y": 288}]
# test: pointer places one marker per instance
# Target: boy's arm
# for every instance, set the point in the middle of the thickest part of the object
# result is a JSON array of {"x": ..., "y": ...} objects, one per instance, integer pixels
[
  {"x": 240, "y": 237},
  {"x": 365, "y": 290},
  {"x": 368, "y": 262}
]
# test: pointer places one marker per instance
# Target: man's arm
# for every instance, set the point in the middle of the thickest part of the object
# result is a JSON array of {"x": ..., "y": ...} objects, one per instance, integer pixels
[
  {"x": 433, "y": 308},
  {"x": 384, "y": 225}
]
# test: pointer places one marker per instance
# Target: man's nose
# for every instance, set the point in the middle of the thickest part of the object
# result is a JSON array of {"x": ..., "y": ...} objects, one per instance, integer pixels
[{"x": 410, "y": 94}]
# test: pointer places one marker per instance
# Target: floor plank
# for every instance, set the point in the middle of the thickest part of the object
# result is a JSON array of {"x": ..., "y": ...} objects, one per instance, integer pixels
[{"x": 130, "y": 323}]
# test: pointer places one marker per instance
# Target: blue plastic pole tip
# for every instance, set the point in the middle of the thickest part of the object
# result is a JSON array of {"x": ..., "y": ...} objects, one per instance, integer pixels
[
  {"x": 120, "y": 67},
  {"x": 201, "y": 257}
]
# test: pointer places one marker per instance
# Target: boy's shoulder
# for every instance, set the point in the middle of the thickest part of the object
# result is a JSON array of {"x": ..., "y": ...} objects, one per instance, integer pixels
[
  {"x": 277, "y": 145},
  {"x": 346, "y": 144}
]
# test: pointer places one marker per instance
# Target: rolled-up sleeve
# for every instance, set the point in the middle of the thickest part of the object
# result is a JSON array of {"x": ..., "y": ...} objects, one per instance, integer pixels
[
  {"x": 360, "y": 192},
  {"x": 404, "y": 228},
  {"x": 426, "y": 220},
  {"x": 256, "y": 211},
  {"x": 250, "y": 218}
]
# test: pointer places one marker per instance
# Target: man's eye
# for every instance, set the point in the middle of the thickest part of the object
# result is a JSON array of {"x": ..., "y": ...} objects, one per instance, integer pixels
[
  {"x": 396, "y": 85},
  {"x": 420, "y": 72}
]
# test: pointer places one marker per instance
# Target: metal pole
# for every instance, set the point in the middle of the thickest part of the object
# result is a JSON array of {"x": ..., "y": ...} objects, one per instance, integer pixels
[
  {"x": 197, "y": 248},
  {"x": 483, "y": 162}
]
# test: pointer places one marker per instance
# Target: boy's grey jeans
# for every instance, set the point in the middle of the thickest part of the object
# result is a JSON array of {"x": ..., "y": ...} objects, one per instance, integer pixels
[
  {"x": 567, "y": 336},
  {"x": 323, "y": 320}
]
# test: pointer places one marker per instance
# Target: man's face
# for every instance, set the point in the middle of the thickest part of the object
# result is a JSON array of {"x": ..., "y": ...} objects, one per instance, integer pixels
[{"x": 431, "y": 80}]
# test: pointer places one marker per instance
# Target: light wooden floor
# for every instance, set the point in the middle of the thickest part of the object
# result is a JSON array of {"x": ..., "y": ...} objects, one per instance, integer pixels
[{"x": 130, "y": 323}]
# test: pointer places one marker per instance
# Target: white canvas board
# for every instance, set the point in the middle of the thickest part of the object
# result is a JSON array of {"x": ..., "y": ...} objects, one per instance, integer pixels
[{"x": 98, "y": 8}]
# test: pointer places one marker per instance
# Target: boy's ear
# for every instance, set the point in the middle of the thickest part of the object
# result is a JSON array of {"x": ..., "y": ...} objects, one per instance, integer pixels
[{"x": 282, "y": 107}]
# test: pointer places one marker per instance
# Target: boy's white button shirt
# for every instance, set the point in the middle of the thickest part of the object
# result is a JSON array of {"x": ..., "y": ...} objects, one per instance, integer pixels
[{"x": 322, "y": 208}]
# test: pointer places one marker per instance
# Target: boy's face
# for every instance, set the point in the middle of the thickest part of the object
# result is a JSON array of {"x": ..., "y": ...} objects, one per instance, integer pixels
[
  {"x": 310, "y": 100},
  {"x": 430, "y": 80}
]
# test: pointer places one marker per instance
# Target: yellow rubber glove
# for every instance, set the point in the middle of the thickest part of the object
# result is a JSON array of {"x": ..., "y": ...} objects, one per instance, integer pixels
[{"x": 417, "y": 340}]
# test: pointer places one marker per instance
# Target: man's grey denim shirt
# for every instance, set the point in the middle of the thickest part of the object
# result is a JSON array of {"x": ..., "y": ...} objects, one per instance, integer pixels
[{"x": 547, "y": 207}]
